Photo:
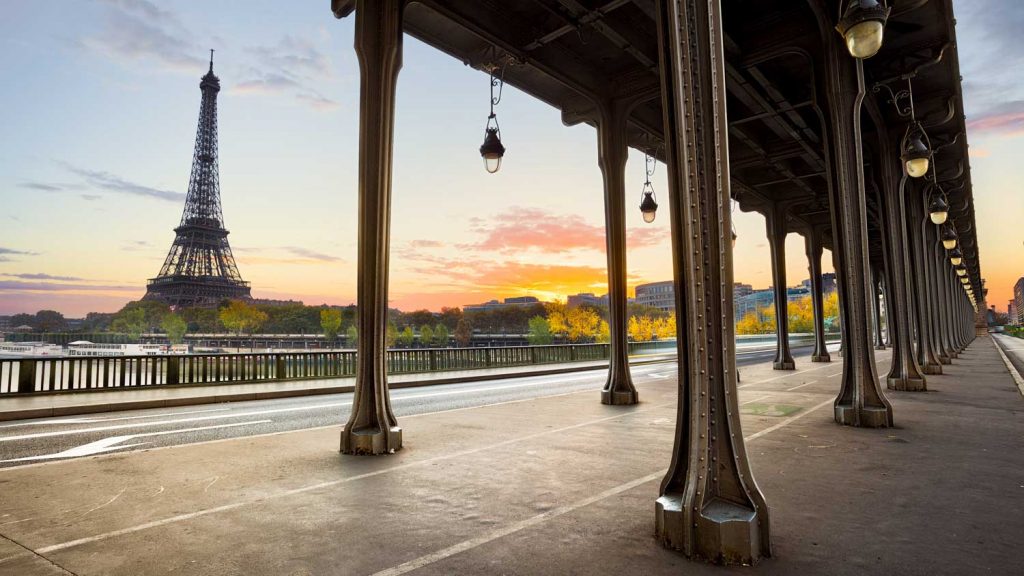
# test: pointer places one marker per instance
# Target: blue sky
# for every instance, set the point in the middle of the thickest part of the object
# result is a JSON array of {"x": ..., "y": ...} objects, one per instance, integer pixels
[{"x": 99, "y": 112}]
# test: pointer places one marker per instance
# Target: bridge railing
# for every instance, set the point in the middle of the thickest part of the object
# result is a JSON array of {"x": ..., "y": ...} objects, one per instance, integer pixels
[{"x": 67, "y": 374}]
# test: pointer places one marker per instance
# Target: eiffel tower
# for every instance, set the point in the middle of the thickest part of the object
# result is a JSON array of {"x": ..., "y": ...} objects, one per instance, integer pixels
[{"x": 200, "y": 269}]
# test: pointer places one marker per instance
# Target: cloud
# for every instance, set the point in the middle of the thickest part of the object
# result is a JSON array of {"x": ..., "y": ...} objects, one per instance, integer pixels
[
  {"x": 139, "y": 30},
  {"x": 13, "y": 252},
  {"x": 1006, "y": 118},
  {"x": 426, "y": 244},
  {"x": 43, "y": 186},
  {"x": 25, "y": 276},
  {"x": 534, "y": 229},
  {"x": 980, "y": 152},
  {"x": 296, "y": 255},
  {"x": 112, "y": 183},
  {"x": 18, "y": 286},
  {"x": 293, "y": 65},
  {"x": 317, "y": 102},
  {"x": 311, "y": 254}
]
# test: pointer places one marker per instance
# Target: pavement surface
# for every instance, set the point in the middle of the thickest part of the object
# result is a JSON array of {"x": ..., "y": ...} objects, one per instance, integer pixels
[
  {"x": 549, "y": 485},
  {"x": 44, "y": 439}
]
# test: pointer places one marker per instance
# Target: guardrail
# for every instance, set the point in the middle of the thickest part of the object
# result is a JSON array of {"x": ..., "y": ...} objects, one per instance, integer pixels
[
  {"x": 75, "y": 373},
  {"x": 68, "y": 374}
]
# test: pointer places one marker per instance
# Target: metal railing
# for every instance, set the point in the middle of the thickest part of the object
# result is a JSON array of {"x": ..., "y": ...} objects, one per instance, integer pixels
[{"x": 68, "y": 374}]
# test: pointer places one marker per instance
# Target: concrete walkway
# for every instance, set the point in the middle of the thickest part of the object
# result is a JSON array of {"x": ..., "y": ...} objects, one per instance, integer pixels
[{"x": 556, "y": 485}]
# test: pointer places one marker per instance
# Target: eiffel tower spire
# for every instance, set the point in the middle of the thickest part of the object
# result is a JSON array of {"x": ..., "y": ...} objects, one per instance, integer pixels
[{"x": 200, "y": 269}]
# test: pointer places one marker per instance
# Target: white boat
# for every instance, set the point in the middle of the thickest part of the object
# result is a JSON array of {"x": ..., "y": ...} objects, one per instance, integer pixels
[{"x": 29, "y": 349}]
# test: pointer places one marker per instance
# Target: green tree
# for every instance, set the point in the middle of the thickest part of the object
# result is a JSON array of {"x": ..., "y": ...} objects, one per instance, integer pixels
[
  {"x": 174, "y": 327},
  {"x": 441, "y": 336},
  {"x": 426, "y": 335},
  {"x": 49, "y": 321},
  {"x": 539, "y": 331},
  {"x": 406, "y": 337},
  {"x": 130, "y": 321},
  {"x": 330, "y": 323},
  {"x": 390, "y": 335},
  {"x": 351, "y": 336},
  {"x": 463, "y": 332}
]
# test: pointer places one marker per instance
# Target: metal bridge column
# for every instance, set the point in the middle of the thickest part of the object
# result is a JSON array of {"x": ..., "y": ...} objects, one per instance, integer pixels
[
  {"x": 775, "y": 220},
  {"x": 612, "y": 153},
  {"x": 709, "y": 505},
  {"x": 812, "y": 243},
  {"x": 372, "y": 428}
]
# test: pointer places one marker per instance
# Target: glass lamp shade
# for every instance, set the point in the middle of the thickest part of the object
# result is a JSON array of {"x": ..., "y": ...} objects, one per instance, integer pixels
[
  {"x": 964, "y": 280},
  {"x": 863, "y": 27},
  {"x": 492, "y": 150},
  {"x": 938, "y": 209},
  {"x": 949, "y": 244},
  {"x": 956, "y": 257},
  {"x": 917, "y": 167},
  {"x": 648, "y": 207},
  {"x": 961, "y": 271}
]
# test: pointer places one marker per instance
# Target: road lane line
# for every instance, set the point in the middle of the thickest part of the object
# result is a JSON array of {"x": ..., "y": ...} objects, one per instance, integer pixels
[
  {"x": 331, "y": 483},
  {"x": 94, "y": 420},
  {"x": 108, "y": 444},
  {"x": 466, "y": 545},
  {"x": 801, "y": 386}
]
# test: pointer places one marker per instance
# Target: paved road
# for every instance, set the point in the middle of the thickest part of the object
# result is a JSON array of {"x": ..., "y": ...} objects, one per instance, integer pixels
[
  {"x": 41, "y": 440},
  {"x": 1013, "y": 348}
]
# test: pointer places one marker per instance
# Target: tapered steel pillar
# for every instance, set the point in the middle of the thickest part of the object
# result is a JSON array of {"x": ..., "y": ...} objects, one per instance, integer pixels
[
  {"x": 372, "y": 428},
  {"x": 812, "y": 243},
  {"x": 612, "y": 155},
  {"x": 861, "y": 401},
  {"x": 904, "y": 372},
  {"x": 709, "y": 505},
  {"x": 942, "y": 271},
  {"x": 932, "y": 250},
  {"x": 917, "y": 232},
  {"x": 775, "y": 220},
  {"x": 876, "y": 307}
]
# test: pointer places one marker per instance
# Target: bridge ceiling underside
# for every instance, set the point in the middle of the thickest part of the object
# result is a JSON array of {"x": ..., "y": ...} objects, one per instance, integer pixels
[{"x": 573, "y": 54}]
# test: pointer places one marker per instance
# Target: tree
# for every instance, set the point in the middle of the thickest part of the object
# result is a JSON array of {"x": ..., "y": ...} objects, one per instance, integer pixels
[
  {"x": 426, "y": 335},
  {"x": 242, "y": 318},
  {"x": 463, "y": 332},
  {"x": 641, "y": 328},
  {"x": 582, "y": 323},
  {"x": 351, "y": 336},
  {"x": 406, "y": 337},
  {"x": 330, "y": 323},
  {"x": 49, "y": 321},
  {"x": 390, "y": 335},
  {"x": 174, "y": 327},
  {"x": 441, "y": 335},
  {"x": 604, "y": 333},
  {"x": 539, "y": 332},
  {"x": 130, "y": 321}
]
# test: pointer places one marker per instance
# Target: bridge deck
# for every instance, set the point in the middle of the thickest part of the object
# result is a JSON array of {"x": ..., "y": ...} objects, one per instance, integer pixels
[{"x": 556, "y": 485}]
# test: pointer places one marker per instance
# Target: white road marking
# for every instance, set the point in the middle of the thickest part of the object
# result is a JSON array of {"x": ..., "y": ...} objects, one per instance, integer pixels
[
  {"x": 114, "y": 442},
  {"x": 801, "y": 386},
  {"x": 93, "y": 420},
  {"x": 540, "y": 518}
]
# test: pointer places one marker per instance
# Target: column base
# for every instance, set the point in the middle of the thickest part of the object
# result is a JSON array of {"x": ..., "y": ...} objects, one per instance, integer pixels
[
  {"x": 879, "y": 346},
  {"x": 614, "y": 398},
  {"x": 953, "y": 355},
  {"x": 371, "y": 442},
  {"x": 722, "y": 533},
  {"x": 821, "y": 358},
  {"x": 906, "y": 384},
  {"x": 784, "y": 365},
  {"x": 870, "y": 417},
  {"x": 945, "y": 360},
  {"x": 932, "y": 369}
]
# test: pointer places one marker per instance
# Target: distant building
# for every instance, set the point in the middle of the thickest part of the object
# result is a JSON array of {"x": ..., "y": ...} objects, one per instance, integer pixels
[
  {"x": 1018, "y": 300},
  {"x": 760, "y": 299},
  {"x": 660, "y": 295},
  {"x": 739, "y": 290},
  {"x": 1011, "y": 313},
  {"x": 494, "y": 304},
  {"x": 587, "y": 298},
  {"x": 828, "y": 283},
  {"x": 5, "y": 323}
]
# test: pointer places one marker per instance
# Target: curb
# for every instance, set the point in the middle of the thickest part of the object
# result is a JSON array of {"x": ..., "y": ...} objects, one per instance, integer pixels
[
  {"x": 93, "y": 408},
  {"x": 1009, "y": 365}
]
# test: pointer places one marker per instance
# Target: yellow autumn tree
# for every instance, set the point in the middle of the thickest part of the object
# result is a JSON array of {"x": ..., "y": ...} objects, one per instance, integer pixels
[
  {"x": 604, "y": 333},
  {"x": 641, "y": 328},
  {"x": 582, "y": 323},
  {"x": 665, "y": 328}
]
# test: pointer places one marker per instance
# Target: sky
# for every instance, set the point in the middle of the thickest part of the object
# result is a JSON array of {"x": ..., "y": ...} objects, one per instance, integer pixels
[{"x": 99, "y": 109}]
